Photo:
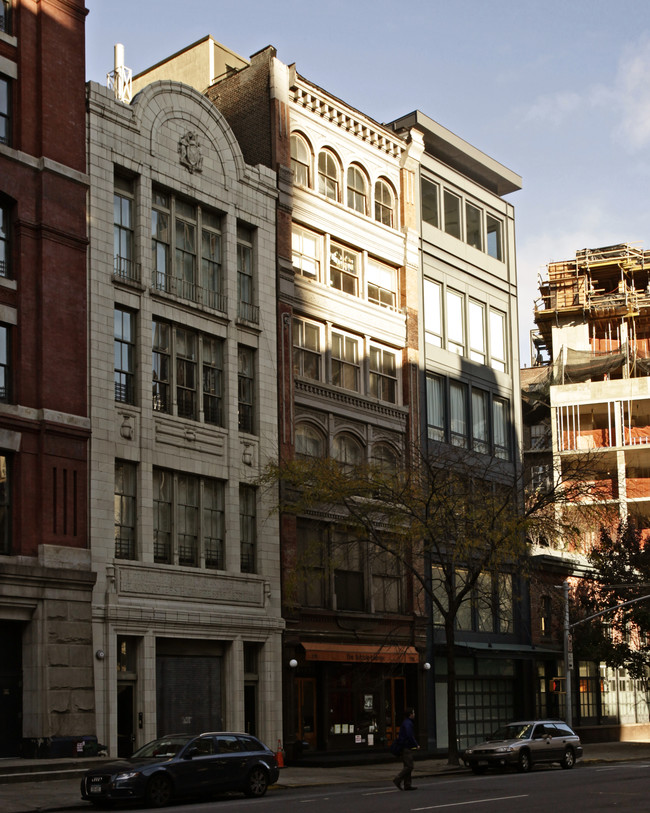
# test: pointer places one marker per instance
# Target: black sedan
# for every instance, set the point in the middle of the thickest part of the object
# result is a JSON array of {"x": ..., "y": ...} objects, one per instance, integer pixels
[{"x": 182, "y": 766}]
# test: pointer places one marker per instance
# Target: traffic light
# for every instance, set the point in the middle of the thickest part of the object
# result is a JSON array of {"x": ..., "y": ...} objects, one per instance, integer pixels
[{"x": 557, "y": 685}]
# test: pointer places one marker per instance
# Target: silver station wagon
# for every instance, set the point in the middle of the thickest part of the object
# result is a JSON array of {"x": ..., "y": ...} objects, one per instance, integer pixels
[{"x": 524, "y": 744}]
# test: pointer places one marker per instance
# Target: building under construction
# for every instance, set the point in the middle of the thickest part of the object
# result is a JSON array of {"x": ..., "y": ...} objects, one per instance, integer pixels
[{"x": 591, "y": 356}]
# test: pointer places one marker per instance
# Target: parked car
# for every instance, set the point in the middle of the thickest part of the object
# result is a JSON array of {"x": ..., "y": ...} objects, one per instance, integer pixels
[
  {"x": 182, "y": 765},
  {"x": 524, "y": 744}
]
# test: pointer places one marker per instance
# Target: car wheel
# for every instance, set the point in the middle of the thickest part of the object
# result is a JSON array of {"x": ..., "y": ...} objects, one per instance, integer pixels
[
  {"x": 569, "y": 759},
  {"x": 257, "y": 782},
  {"x": 524, "y": 764},
  {"x": 159, "y": 790},
  {"x": 478, "y": 769}
]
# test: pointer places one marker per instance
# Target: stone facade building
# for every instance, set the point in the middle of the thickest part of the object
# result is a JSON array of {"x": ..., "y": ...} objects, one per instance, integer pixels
[
  {"x": 46, "y": 580},
  {"x": 183, "y": 393}
]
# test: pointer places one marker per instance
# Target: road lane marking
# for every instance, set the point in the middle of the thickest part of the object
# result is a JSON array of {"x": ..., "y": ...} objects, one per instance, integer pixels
[{"x": 474, "y": 802}]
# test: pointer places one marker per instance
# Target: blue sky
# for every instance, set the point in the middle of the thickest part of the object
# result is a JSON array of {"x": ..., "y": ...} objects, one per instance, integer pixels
[{"x": 557, "y": 90}]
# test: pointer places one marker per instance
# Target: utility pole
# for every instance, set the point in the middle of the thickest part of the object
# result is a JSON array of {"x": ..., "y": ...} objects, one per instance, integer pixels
[{"x": 568, "y": 643}]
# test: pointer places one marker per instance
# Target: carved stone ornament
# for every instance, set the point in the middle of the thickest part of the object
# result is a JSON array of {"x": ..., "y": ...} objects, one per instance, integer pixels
[{"x": 189, "y": 150}]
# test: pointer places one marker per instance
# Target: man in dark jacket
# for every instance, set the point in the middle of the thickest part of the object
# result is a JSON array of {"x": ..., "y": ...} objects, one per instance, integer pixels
[{"x": 408, "y": 743}]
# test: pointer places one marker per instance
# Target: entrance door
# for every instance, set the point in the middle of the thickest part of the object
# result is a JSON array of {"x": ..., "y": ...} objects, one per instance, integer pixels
[
  {"x": 394, "y": 704},
  {"x": 250, "y": 708},
  {"x": 11, "y": 690},
  {"x": 307, "y": 732},
  {"x": 125, "y": 721}
]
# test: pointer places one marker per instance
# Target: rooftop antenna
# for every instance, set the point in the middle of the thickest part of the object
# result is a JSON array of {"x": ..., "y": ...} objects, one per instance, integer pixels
[{"x": 119, "y": 79}]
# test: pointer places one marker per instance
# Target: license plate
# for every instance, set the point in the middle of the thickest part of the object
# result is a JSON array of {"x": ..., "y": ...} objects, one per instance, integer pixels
[
  {"x": 95, "y": 788},
  {"x": 482, "y": 762}
]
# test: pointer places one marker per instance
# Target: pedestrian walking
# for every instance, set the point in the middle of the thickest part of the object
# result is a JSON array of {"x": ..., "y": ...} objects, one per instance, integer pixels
[{"x": 406, "y": 745}]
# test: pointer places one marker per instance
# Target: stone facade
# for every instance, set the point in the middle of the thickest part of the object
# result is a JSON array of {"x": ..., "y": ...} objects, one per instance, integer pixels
[{"x": 183, "y": 542}]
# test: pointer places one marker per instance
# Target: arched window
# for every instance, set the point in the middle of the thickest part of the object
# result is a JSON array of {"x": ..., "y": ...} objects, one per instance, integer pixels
[
  {"x": 384, "y": 203},
  {"x": 309, "y": 441},
  {"x": 385, "y": 458},
  {"x": 357, "y": 190},
  {"x": 300, "y": 160},
  {"x": 328, "y": 175},
  {"x": 347, "y": 451}
]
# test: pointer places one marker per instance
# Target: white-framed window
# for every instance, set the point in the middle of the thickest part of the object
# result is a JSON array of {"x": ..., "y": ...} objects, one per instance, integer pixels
[
  {"x": 124, "y": 336},
  {"x": 357, "y": 190},
  {"x": 381, "y": 284},
  {"x": 498, "y": 359},
  {"x": 328, "y": 175},
  {"x": 124, "y": 267},
  {"x": 306, "y": 249},
  {"x": 125, "y": 509},
  {"x": 344, "y": 269},
  {"x": 473, "y": 226},
  {"x": 476, "y": 313},
  {"x": 246, "y": 307},
  {"x": 494, "y": 237},
  {"x": 451, "y": 205},
  {"x": 384, "y": 203},
  {"x": 345, "y": 362},
  {"x": 480, "y": 421},
  {"x": 382, "y": 374},
  {"x": 436, "y": 407},
  {"x": 300, "y": 160},
  {"x": 455, "y": 322},
  {"x": 433, "y": 312},
  {"x": 430, "y": 193},
  {"x": 458, "y": 413},
  {"x": 500, "y": 427},
  {"x": 307, "y": 353}
]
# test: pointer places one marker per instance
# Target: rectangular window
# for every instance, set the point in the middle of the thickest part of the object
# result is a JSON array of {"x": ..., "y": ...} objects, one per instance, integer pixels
[
  {"x": 161, "y": 375},
  {"x": 5, "y": 16},
  {"x": 124, "y": 267},
  {"x": 458, "y": 413},
  {"x": 162, "y": 516},
  {"x": 344, "y": 270},
  {"x": 474, "y": 226},
  {"x": 211, "y": 273},
  {"x": 188, "y": 520},
  {"x": 381, "y": 282},
  {"x": 246, "y": 308},
  {"x": 306, "y": 249},
  {"x": 348, "y": 575},
  {"x": 464, "y": 619},
  {"x": 433, "y": 312},
  {"x": 186, "y": 361},
  {"x": 246, "y": 388},
  {"x": 213, "y": 381},
  {"x": 5, "y": 505},
  {"x": 484, "y": 601},
  {"x": 125, "y": 509},
  {"x": 312, "y": 552},
  {"x": 124, "y": 355},
  {"x": 480, "y": 422},
  {"x": 185, "y": 226},
  {"x": 160, "y": 241},
  {"x": 345, "y": 362},
  {"x": 500, "y": 431},
  {"x": 306, "y": 349},
  {"x": 494, "y": 237},
  {"x": 430, "y": 203},
  {"x": 436, "y": 407},
  {"x": 477, "y": 332},
  {"x": 498, "y": 341},
  {"x": 455, "y": 323},
  {"x": 383, "y": 375},
  {"x": 386, "y": 583},
  {"x": 248, "y": 528},
  {"x": 5, "y": 368},
  {"x": 4, "y": 242},
  {"x": 505, "y": 604},
  {"x": 5, "y": 110},
  {"x": 452, "y": 214},
  {"x": 214, "y": 525}
]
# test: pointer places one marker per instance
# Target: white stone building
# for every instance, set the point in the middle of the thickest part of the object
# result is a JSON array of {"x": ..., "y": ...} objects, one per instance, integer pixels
[{"x": 183, "y": 402}]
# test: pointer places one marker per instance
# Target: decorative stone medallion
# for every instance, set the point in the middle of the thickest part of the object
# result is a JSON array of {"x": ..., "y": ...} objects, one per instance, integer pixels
[{"x": 189, "y": 150}]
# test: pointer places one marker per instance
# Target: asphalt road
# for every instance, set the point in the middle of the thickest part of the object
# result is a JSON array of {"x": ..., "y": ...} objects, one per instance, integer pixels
[{"x": 622, "y": 786}]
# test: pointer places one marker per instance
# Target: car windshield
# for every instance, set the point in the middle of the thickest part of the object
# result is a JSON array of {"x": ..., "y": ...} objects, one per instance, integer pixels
[
  {"x": 515, "y": 731},
  {"x": 162, "y": 747}
]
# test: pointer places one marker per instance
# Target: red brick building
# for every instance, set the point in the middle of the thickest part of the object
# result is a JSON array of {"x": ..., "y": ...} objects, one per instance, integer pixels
[{"x": 46, "y": 675}]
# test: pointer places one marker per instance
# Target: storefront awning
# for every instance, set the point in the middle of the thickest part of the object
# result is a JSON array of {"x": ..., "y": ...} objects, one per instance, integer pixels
[{"x": 360, "y": 653}]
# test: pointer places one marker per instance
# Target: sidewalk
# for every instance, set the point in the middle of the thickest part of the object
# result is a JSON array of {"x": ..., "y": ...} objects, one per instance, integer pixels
[{"x": 57, "y": 794}]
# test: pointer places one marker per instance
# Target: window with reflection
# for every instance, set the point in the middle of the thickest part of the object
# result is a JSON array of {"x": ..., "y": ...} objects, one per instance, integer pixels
[
  {"x": 328, "y": 175},
  {"x": 494, "y": 237},
  {"x": 436, "y": 407},
  {"x": 473, "y": 226},
  {"x": 300, "y": 160},
  {"x": 381, "y": 283},
  {"x": 344, "y": 269},
  {"x": 384, "y": 203},
  {"x": 310, "y": 441},
  {"x": 346, "y": 370},
  {"x": 433, "y": 312},
  {"x": 382, "y": 375},
  {"x": 430, "y": 202},
  {"x": 306, "y": 349},
  {"x": 480, "y": 421},
  {"x": 306, "y": 251},
  {"x": 451, "y": 204},
  {"x": 458, "y": 413},
  {"x": 476, "y": 313},
  {"x": 357, "y": 190},
  {"x": 455, "y": 323},
  {"x": 347, "y": 451},
  {"x": 498, "y": 341}
]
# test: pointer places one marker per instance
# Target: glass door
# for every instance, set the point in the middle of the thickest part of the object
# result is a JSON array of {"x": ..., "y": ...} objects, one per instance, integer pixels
[
  {"x": 307, "y": 710},
  {"x": 394, "y": 705}
]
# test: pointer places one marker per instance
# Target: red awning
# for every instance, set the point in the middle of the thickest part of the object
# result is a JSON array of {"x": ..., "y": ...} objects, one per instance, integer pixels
[{"x": 360, "y": 653}]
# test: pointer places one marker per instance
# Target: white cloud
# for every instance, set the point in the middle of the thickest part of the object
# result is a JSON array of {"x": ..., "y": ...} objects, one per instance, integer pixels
[
  {"x": 553, "y": 108},
  {"x": 632, "y": 91}
]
